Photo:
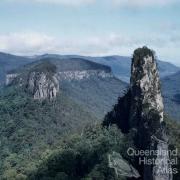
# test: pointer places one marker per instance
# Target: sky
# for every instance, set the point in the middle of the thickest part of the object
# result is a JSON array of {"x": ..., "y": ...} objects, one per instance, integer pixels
[{"x": 90, "y": 27}]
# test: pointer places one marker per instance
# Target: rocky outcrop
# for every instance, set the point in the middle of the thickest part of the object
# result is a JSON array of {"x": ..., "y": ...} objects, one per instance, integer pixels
[
  {"x": 141, "y": 110},
  {"x": 146, "y": 113},
  {"x": 40, "y": 81},
  {"x": 121, "y": 166},
  {"x": 80, "y": 75},
  {"x": 71, "y": 75},
  {"x": 42, "y": 85},
  {"x": 145, "y": 85},
  {"x": 10, "y": 78}
]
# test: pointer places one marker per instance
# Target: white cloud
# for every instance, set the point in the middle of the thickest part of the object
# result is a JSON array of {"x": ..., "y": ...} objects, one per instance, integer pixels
[
  {"x": 118, "y": 3},
  {"x": 23, "y": 43},
  {"x": 60, "y": 2},
  {"x": 31, "y": 43},
  {"x": 143, "y": 3}
]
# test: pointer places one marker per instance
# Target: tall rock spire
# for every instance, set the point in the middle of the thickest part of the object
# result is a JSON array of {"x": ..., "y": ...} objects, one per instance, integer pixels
[
  {"x": 146, "y": 112},
  {"x": 142, "y": 110},
  {"x": 145, "y": 83}
]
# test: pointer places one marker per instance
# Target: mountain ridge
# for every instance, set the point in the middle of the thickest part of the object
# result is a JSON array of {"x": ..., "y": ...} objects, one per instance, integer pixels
[
  {"x": 171, "y": 93},
  {"x": 31, "y": 130},
  {"x": 120, "y": 65}
]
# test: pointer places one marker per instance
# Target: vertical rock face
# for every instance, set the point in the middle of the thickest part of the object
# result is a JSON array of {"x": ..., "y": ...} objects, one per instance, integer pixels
[
  {"x": 43, "y": 86},
  {"x": 40, "y": 81},
  {"x": 10, "y": 78},
  {"x": 145, "y": 83},
  {"x": 146, "y": 111},
  {"x": 141, "y": 110}
]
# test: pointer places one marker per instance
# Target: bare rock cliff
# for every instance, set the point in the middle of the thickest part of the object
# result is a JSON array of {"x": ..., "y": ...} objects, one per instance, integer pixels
[
  {"x": 146, "y": 113},
  {"x": 142, "y": 110},
  {"x": 40, "y": 81},
  {"x": 43, "y": 86}
]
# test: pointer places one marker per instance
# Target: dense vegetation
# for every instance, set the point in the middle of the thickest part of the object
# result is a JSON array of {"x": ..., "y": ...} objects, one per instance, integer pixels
[
  {"x": 35, "y": 140},
  {"x": 83, "y": 156},
  {"x": 173, "y": 129},
  {"x": 28, "y": 127},
  {"x": 46, "y": 67},
  {"x": 97, "y": 95},
  {"x": 9, "y": 62},
  {"x": 171, "y": 93},
  {"x": 62, "y": 139}
]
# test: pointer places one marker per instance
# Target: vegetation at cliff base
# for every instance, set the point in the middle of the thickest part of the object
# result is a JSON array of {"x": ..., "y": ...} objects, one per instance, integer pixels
[
  {"x": 83, "y": 156},
  {"x": 28, "y": 127},
  {"x": 173, "y": 129},
  {"x": 62, "y": 138}
]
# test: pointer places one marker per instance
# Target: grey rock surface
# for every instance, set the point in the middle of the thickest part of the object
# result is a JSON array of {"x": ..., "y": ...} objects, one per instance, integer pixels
[
  {"x": 141, "y": 110},
  {"x": 121, "y": 167},
  {"x": 43, "y": 86},
  {"x": 146, "y": 113}
]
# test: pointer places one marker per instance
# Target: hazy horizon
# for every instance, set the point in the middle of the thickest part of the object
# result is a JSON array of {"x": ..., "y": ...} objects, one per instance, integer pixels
[{"x": 90, "y": 27}]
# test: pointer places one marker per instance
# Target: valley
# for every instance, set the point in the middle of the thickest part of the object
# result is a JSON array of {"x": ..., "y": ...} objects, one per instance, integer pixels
[{"x": 53, "y": 107}]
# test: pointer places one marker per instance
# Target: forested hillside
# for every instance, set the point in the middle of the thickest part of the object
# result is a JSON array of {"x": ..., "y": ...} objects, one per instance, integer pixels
[{"x": 28, "y": 126}]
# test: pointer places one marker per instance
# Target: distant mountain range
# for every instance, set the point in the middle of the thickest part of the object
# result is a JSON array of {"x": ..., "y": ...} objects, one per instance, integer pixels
[
  {"x": 171, "y": 93},
  {"x": 170, "y": 75},
  {"x": 120, "y": 65},
  {"x": 9, "y": 62},
  {"x": 88, "y": 89},
  {"x": 90, "y": 84},
  {"x": 28, "y": 126}
]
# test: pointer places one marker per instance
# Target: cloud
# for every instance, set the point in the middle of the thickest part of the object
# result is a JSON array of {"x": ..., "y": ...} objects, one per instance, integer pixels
[
  {"x": 143, "y": 3},
  {"x": 25, "y": 43},
  {"x": 60, "y": 2},
  {"x": 31, "y": 43},
  {"x": 117, "y": 3}
]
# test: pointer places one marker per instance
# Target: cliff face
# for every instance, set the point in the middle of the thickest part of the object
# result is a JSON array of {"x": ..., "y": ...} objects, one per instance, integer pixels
[
  {"x": 10, "y": 78},
  {"x": 141, "y": 110},
  {"x": 42, "y": 79},
  {"x": 146, "y": 113},
  {"x": 80, "y": 75},
  {"x": 42, "y": 85},
  {"x": 145, "y": 84},
  {"x": 70, "y": 75}
]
